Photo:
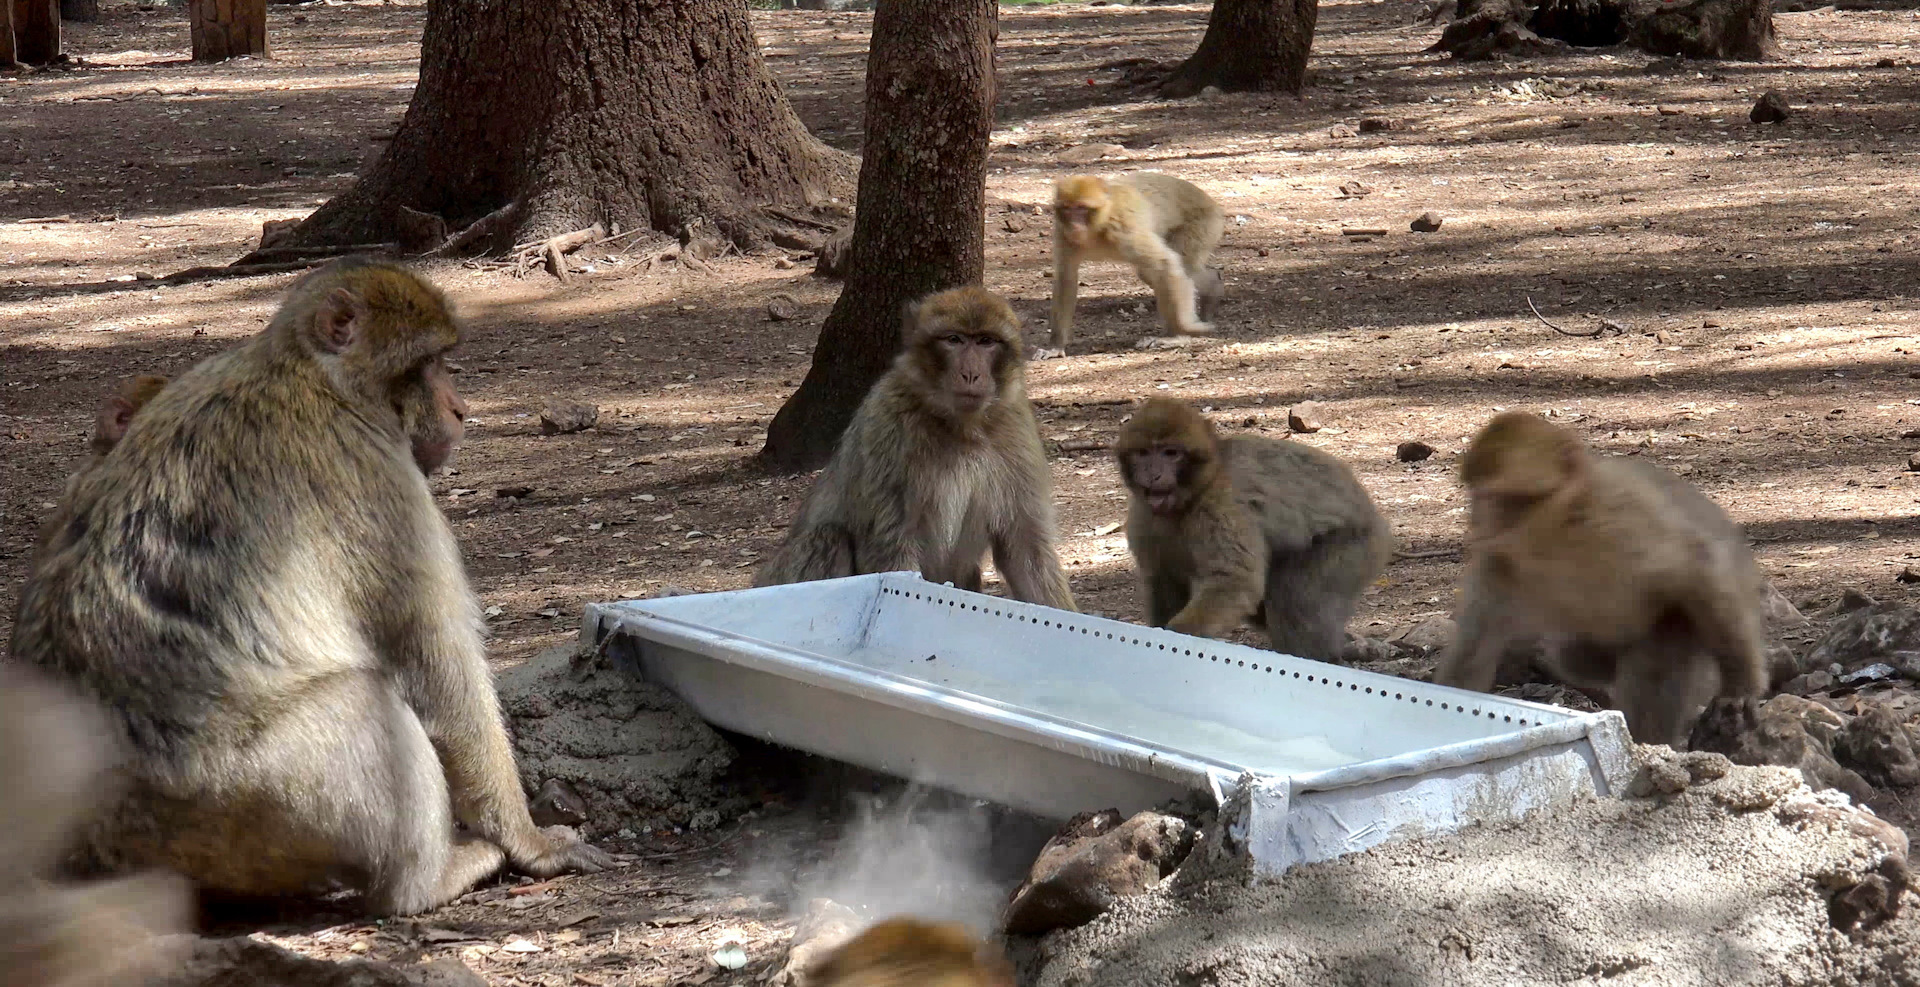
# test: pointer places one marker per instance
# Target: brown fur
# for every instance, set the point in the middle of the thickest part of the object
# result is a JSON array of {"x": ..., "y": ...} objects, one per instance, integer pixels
[
  {"x": 1166, "y": 228},
  {"x": 1637, "y": 582},
  {"x": 257, "y": 584},
  {"x": 904, "y": 952},
  {"x": 1224, "y": 529},
  {"x": 54, "y": 753},
  {"x": 922, "y": 480}
]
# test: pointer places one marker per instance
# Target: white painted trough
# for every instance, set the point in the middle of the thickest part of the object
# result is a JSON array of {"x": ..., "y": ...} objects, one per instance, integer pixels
[{"x": 1058, "y": 713}]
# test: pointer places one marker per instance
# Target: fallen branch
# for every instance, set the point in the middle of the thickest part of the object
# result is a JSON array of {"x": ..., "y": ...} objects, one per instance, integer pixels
[
  {"x": 1085, "y": 445},
  {"x": 1436, "y": 553},
  {"x": 554, "y": 250},
  {"x": 1363, "y": 231},
  {"x": 273, "y": 255},
  {"x": 235, "y": 271},
  {"x": 486, "y": 226},
  {"x": 1604, "y": 325}
]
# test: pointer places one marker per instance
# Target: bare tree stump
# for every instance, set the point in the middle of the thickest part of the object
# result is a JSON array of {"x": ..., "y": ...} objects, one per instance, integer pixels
[
  {"x": 224, "y": 29},
  {"x": 1715, "y": 29},
  {"x": 36, "y": 31}
]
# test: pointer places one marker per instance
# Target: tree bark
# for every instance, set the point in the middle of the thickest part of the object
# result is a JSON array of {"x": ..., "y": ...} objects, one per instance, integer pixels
[
  {"x": 1729, "y": 29},
  {"x": 224, "y": 29},
  {"x": 36, "y": 30},
  {"x": 630, "y": 113},
  {"x": 919, "y": 227},
  {"x": 86, "y": 11},
  {"x": 6, "y": 35},
  {"x": 1250, "y": 46}
]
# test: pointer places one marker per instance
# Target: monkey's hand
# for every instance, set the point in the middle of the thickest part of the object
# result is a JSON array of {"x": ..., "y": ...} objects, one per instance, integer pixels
[
  {"x": 1047, "y": 353},
  {"x": 566, "y": 853}
]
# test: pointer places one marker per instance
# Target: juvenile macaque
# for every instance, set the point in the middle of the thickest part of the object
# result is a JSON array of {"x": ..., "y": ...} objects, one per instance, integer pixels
[
  {"x": 118, "y": 411},
  {"x": 941, "y": 464},
  {"x": 256, "y": 585},
  {"x": 54, "y": 753},
  {"x": 904, "y": 952},
  {"x": 1165, "y": 227},
  {"x": 1247, "y": 526},
  {"x": 1635, "y": 581}
]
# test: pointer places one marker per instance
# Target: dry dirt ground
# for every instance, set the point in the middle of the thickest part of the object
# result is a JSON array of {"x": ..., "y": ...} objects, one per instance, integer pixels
[{"x": 1761, "y": 278}]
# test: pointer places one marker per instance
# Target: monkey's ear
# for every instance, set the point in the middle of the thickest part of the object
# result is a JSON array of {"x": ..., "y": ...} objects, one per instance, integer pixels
[
  {"x": 120, "y": 411},
  {"x": 337, "y": 321}
]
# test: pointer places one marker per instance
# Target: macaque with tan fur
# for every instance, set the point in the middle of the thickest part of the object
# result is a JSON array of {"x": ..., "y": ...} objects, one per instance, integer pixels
[
  {"x": 905, "y": 952},
  {"x": 1635, "y": 581},
  {"x": 1165, "y": 227},
  {"x": 256, "y": 584},
  {"x": 941, "y": 465},
  {"x": 55, "y": 757},
  {"x": 1226, "y": 529}
]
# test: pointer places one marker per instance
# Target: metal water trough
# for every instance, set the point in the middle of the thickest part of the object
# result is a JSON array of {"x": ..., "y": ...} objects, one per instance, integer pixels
[{"x": 1058, "y": 713}]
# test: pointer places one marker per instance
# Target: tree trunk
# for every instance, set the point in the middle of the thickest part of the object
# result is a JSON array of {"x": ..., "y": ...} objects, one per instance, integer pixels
[
  {"x": 629, "y": 113},
  {"x": 87, "y": 11},
  {"x": 224, "y": 29},
  {"x": 921, "y": 209},
  {"x": 6, "y": 35},
  {"x": 36, "y": 30},
  {"x": 1250, "y": 46}
]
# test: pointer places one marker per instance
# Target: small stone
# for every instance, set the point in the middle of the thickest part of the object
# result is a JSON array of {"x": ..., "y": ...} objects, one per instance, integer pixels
[
  {"x": 1667, "y": 111},
  {"x": 1341, "y": 131},
  {"x": 1886, "y": 63},
  {"x": 1374, "y": 125},
  {"x": 783, "y": 264},
  {"x": 1876, "y": 744},
  {"x": 1426, "y": 222},
  {"x": 513, "y": 493},
  {"x": 1412, "y": 452},
  {"x": 1771, "y": 107},
  {"x": 782, "y": 307},
  {"x": 563, "y": 417},
  {"x": 1913, "y": 463},
  {"x": 1014, "y": 224},
  {"x": 1304, "y": 417}
]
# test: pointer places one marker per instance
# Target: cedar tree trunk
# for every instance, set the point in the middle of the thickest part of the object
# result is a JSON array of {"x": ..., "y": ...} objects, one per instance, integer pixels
[
  {"x": 80, "y": 10},
  {"x": 629, "y": 113},
  {"x": 921, "y": 208},
  {"x": 224, "y": 29},
  {"x": 1250, "y": 46},
  {"x": 36, "y": 30},
  {"x": 6, "y": 34}
]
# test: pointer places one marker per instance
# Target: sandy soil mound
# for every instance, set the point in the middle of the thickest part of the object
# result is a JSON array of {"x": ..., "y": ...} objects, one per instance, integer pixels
[
  {"x": 635, "y": 755},
  {"x": 1728, "y": 882}
]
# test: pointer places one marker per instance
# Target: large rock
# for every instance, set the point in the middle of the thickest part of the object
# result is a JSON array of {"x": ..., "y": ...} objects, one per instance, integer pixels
[
  {"x": 1786, "y": 730},
  {"x": 1884, "y": 632},
  {"x": 1877, "y": 745},
  {"x": 1093, "y": 861}
]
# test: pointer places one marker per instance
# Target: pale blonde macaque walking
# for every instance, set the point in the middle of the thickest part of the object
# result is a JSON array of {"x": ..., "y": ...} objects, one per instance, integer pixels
[{"x": 1166, "y": 228}]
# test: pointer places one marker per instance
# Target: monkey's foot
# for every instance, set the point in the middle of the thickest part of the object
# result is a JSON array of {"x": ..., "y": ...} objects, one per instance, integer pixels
[
  {"x": 1194, "y": 329},
  {"x": 1047, "y": 353}
]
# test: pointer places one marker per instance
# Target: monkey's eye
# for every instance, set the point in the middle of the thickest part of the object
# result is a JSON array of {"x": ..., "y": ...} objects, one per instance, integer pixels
[{"x": 953, "y": 339}]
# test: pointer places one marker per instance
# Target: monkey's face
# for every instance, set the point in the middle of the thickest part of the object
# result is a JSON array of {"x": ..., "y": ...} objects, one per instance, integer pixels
[
  {"x": 432, "y": 413},
  {"x": 1079, "y": 209},
  {"x": 972, "y": 362},
  {"x": 1161, "y": 475}
]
